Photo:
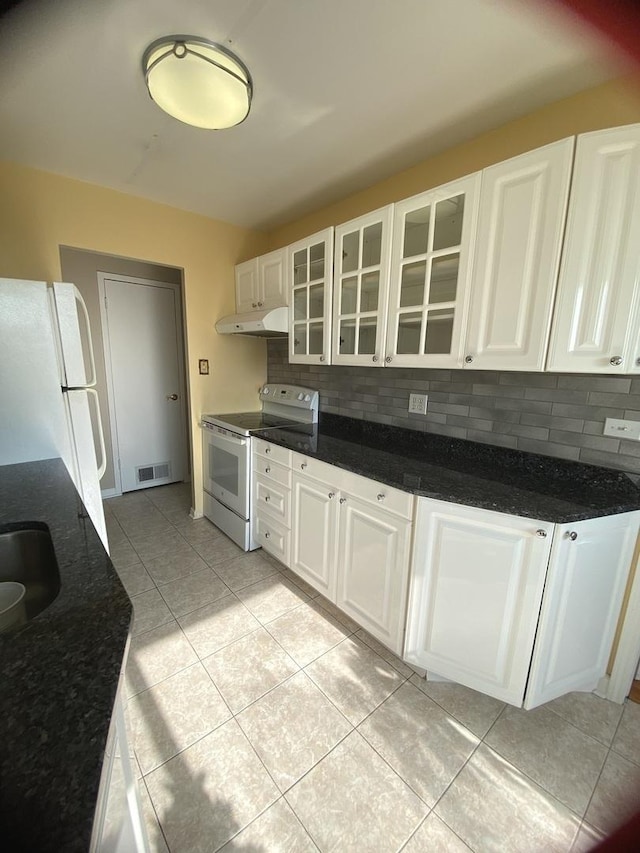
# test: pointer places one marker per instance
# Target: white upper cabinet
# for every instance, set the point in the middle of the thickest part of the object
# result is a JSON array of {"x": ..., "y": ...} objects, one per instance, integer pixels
[
  {"x": 261, "y": 282},
  {"x": 310, "y": 277},
  {"x": 523, "y": 204},
  {"x": 433, "y": 238},
  {"x": 596, "y": 322},
  {"x": 361, "y": 288}
]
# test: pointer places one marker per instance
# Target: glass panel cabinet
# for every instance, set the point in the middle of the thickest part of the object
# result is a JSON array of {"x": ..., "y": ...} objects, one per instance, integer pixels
[
  {"x": 430, "y": 274},
  {"x": 361, "y": 269},
  {"x": 310, "y": 273}
]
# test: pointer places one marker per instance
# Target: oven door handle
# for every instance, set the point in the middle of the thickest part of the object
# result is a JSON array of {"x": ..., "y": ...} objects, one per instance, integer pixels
[{"x": 230, "y": 439}]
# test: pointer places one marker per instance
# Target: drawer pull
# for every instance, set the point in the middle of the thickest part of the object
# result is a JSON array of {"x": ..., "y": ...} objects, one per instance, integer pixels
[
  {"x": 571, "y": 534},
  {"x": 616, "y": 360},
  {"x": 343, "y": 500},
  {"x": 332, "y": 494},
  {"x": 267, "y": 498},
  {"x": 267, "y": 450},
  {"x": 541, "y": 533},
  {"x": 267, "y": 470},
  {"x": 303, "y": 465},
  {"x": 381, "y": 496},
  {"x": 267, "y": 535}
]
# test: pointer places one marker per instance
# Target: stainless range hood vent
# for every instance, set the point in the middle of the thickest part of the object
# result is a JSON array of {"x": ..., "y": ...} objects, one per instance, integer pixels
[{"x": 270, "y": 323}]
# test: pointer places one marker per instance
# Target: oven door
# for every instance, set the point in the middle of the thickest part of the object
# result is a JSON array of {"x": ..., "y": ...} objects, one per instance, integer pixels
[{"x": 226, "y": 457}]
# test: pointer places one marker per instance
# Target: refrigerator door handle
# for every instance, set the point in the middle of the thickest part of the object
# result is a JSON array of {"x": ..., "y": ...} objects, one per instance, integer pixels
[
  {"x": 90, "y": 383},
  {"x": 103, "y": 453}
]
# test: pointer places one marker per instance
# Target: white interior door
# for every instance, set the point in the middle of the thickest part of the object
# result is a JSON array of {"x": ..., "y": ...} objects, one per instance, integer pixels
[{"x": 143, "y": 348}]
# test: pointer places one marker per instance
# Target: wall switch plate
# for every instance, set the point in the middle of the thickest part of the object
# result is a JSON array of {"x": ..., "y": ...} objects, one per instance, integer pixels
[
  {"x": 418, "y": 404},
  {"x": 622, "y": 429}
]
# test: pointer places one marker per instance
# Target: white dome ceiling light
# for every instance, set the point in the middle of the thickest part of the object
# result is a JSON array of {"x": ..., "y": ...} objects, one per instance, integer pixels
[{"x": 197, "y": 81}]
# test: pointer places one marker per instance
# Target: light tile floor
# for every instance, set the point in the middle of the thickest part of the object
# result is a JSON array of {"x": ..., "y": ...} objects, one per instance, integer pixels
[{"x": 264, "y": 719}]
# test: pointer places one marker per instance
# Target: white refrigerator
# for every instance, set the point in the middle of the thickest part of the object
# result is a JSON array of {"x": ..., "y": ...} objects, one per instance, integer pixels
[{"x": 49, "y": 405}]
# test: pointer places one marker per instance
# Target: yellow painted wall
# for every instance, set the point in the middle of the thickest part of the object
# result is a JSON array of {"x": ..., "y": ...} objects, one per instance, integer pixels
[
  {"x": 39, "y": 212},
  {"x": 609, "y": 105}
]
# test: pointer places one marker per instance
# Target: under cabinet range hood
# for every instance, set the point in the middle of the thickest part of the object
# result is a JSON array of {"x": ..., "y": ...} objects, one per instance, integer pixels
[{"x": 270, "y": 323}]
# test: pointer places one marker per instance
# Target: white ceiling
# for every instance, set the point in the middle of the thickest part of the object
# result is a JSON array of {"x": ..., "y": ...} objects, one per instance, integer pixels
[{"x": 346, "y": 93}]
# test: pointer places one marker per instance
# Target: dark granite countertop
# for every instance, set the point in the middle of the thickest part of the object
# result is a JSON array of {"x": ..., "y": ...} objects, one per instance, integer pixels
[
  {"x": 464, "y": 472},
  {"x": 60, "y": 672}
]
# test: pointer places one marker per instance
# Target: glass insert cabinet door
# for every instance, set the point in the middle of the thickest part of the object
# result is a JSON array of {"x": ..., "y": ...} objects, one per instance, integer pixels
[
  {"x": 310, "y": 271},
  {"x": 361, "y": 287},
  {"x": 430, "y": 275}
]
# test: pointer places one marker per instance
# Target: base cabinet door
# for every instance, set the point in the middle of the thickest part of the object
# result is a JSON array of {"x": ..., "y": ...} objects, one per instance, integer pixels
[
  {"x": 476, "y": 590},
  {"x": 587, "y": 576},
  {"x": 373, "y": 556},
  {"x": 314, "y": 533}
]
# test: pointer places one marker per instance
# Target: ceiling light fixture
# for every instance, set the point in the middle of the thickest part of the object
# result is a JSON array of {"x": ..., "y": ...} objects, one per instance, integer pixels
[{"x": 197, "y": 81}]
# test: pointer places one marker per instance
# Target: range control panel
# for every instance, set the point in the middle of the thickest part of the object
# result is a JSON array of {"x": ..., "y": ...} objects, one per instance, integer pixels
[{"x": 277, "y": 398}]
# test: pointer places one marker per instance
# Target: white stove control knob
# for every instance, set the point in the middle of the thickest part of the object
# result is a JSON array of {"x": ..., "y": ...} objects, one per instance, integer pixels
[
  {"x": 307, "y": 398},
  {"x": 266, "y": 390},
  {"x": 301, "y": 396}
]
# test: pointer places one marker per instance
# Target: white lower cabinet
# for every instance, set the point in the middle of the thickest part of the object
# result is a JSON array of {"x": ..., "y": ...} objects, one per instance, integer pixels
[
  {"x": 495, "y": 597},
  {"x": 351, "y": 548},
  {"x": 271, "y": 499}
]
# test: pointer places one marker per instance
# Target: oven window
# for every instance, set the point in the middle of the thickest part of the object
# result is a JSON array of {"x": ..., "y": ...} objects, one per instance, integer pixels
[{"x": 223, "y": 469}]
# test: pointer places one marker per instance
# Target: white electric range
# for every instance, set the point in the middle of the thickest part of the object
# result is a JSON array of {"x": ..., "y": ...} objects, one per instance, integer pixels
[{"x": 226, "y": 454}]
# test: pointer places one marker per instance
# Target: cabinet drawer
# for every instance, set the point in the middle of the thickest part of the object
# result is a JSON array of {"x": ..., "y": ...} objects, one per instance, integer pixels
[
  {"x": 386, "y": 497},
  {"x": 272, "y": 498},
  {"x": 266, "y": 467},
  {"x": 329, "y": 474},
  {"x": 271, "y": 451},
  {"x": 273, "y": 537}
]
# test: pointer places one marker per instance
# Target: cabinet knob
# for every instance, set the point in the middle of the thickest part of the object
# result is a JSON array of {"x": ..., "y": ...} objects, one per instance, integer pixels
[
  {"x": 303, "y": 465},
  {"x": 468, "y": 359},
  {"x": 322, "y": 358},
  {"x": 260, "y": 304},
  {"x": 267, "y": 450},
  {"x": 267, "y": 498},
  {"x": 375, "y": 358},
  {"x": 343, "y": 500},
  {"x": 267, "y": 535},
  {"x": 541, "y": 533},
  {"x": 381, "y": 496},
  {"x": 254, "y": 305},
  {"x": 267, "y": 470},
  {"x": 571, "y": 534},
  {"x": 616, "y": 360},
  {"x": 637, "y": 362},
  {"x": 332, "y": 494},
  {"x": 388, "y": 359},
  {"x": 296, "y": 342}
]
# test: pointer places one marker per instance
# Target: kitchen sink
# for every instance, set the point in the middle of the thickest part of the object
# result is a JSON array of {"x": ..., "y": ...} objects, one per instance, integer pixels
[{"x": 27, "y": 556}]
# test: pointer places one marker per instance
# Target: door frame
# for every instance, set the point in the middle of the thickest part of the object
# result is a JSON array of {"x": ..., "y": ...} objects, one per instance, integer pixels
[{"x": 106, "y": 346}]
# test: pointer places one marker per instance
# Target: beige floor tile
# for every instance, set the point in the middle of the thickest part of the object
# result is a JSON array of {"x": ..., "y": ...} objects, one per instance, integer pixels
[
  {"x": 156, "y": 655},
  {"x": 385, "y": 653},
  {"x": 587, "y": 839},
  {"x": 135, "y": 578},
  {"x": 355, "y": 678},
  {"x": 149, "y": 611},
  {"x": 333, "y": 610},
  {"x": 474, "y": 710},
  {"x": 248, "y": 668},
  {"x": 174, "y": 714},
  {"x": 115, "y": 533},
  {"x": 157, "y": 844},
  {"x": 292, "y": 728},
  {"x": 245, "y": 570},
  {"x": 212, "y": 790},
  {"x": 617, "y": 794},
  {"x": 627, "y": 739},
  {"x": 353, "y": 801},
  {"x": 217, "y": 624},
  {"x": 169, "y": 542},
  {"x": 552, "y": 752},
  {"x": 217, "y": 550},
  {"x": 306, "y": 633},
  {"x": 422, "y": 743},
  {"x": 144, "y": 527},
  {"x": 193, "y": 591},
  {"x": 494, "y": 808},
  {"x": 434, "y": 836},
  {"x": 277, "y": 830},
  {"x": 169, "y": 567},
  {"x": 596, "y": 717},
  {"x": 195, "y": 530},
  {"x": 123, "y": 554},
  {"x": 269, "y": 598}
]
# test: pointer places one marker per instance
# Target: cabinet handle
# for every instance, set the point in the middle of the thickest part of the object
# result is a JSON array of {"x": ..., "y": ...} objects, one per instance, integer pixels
[
  {"x": 332, "y": 494},
  {"x": 254, "y": 305},
  {"x": 260, "y": 304},
  {"x": 616, "y": 360},
  {"x": 388, "y": 359},
  {"x": 343, "y": 500},
  {"x": 468, "y": 359},
  {"x": 375, "y": 358},
  {"x": 571, "y": 534},
  {"x": 267, "y": 498},
  {"x": 296, "y": 342},
  {"x": 381, "y": 496},
  {"x": 303, "y": 465},
  {"x": 267, "y": 470},
  {"x": 267, "y": 535},
  {"x": 541, "y": 533},
  {"x": 322, "y": 358},
  {"x": 267, "y": 450}
]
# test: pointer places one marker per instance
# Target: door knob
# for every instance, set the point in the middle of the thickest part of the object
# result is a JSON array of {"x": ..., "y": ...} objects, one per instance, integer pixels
[{"x": 172, "y": 396}]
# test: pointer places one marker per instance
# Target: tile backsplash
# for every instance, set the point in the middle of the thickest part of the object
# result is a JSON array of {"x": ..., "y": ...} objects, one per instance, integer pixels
[{"x": 555, "y": 414}]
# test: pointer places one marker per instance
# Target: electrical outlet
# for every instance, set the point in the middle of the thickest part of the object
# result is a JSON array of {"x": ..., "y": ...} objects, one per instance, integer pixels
[
  {"x": 418, "y": 404},
  {"x": 622, "y": 429}
]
